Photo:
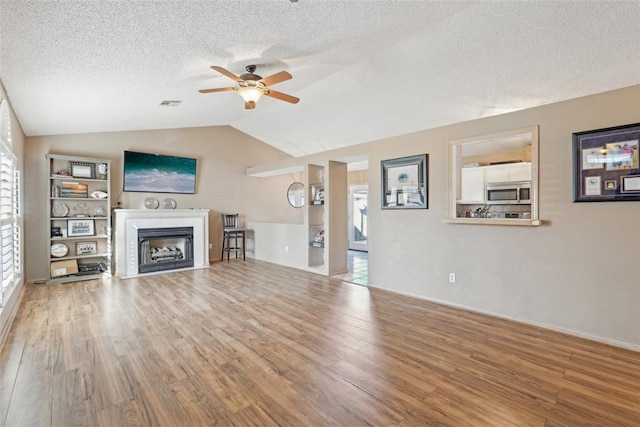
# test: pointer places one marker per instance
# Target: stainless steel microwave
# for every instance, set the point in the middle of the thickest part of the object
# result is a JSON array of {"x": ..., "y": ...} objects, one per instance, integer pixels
[{"x": 509, "y": 193}]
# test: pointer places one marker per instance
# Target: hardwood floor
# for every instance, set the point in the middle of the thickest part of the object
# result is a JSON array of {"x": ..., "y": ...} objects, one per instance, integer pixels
[{"x": 251, "y": 343}]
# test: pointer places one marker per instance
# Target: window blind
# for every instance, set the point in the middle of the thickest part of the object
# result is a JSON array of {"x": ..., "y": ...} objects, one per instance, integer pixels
[{"x": 10, "y": 230}]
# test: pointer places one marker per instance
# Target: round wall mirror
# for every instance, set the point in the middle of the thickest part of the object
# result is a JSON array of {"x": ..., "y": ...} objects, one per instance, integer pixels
[{"x": 295, "y": 194}]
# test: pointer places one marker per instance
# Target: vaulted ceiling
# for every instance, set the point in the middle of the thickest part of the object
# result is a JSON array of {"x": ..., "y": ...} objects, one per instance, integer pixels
[{"x": 364, "y": 70}]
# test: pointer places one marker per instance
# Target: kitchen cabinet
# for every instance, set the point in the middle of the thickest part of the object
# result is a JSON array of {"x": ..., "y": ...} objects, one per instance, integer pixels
[
  {"x": 474, "y": 180},
  {"x": 472, "y": 188},
  {"x": 519, "y": 172},
  {"x": 509, "y": 172},
  {"x": 498, "y": 173}
]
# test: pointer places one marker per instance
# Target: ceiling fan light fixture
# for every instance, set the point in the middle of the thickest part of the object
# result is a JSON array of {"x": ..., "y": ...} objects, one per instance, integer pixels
[
  {"x": 251, "y": 86},
  {"x": 250, "y": 93}
]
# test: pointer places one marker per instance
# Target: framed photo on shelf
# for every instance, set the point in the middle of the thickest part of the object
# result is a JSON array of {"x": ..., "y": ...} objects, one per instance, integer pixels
[
  {"x": 85, "y": 248},
  {"x": 82, "y": 170},
  {"x": 607, "y": 164},
  {"x": 74, "y": 190},
  {"x": 101, "y": 170},
  {"x": 404, "y": 182},
  {"x": 80, "y": 227}
]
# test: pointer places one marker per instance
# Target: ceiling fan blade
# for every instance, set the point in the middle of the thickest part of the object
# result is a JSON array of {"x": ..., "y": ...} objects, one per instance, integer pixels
[
  {"x": 276, "y": 78},
  {"x": 281, "y": 96},
  {"x": 218, "y": 89},
  {"x": 226, "y": 73},
  {"x": 249, "y": 105}
]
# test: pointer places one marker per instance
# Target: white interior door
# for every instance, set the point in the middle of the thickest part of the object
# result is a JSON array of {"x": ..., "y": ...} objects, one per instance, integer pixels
[{"x": 358, "y": 230}]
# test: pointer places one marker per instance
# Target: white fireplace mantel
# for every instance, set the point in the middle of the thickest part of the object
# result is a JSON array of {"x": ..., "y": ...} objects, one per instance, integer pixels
[{"x": 128, "y": 221}]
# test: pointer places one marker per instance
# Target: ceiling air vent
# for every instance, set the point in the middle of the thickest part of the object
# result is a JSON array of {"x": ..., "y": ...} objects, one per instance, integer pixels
[{"x": 170, "y": 103}]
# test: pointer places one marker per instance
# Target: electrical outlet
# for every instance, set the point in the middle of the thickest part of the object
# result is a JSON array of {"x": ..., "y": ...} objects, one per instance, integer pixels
[
  {"x": 210, "y": 245},
  {"x": 452, "y": 277},
  {"x": 286, "y": 248}
]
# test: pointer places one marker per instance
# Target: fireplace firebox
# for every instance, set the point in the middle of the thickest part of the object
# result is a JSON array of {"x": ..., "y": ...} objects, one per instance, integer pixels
[{"x": 166, "y": 248}]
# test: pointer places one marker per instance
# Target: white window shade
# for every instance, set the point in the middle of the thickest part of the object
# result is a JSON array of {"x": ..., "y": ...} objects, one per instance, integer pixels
[{"x": 10, "y": 229}]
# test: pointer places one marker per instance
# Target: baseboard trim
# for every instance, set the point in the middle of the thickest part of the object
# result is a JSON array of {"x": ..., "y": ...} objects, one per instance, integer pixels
[{"x": 572, "y": 332}]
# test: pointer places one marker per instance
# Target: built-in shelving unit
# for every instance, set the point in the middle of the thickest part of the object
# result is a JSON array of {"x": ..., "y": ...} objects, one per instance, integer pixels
[
  {"x": 318, "y": 244},
  {"x": 326, "y": 217},
  {"x": 315, "y": 216},
  {"x": 78, "y": 218}
]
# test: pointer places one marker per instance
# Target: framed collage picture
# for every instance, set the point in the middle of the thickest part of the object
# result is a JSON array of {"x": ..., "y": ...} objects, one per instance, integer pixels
[{"x": 607, "y": 164}]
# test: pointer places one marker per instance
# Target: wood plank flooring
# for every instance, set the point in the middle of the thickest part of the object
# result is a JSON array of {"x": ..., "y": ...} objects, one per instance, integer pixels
[{"x": 254, "y": 344}]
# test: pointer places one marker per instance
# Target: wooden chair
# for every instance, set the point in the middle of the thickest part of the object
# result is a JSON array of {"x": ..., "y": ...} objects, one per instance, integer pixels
[{"x": 232, "y": 234}]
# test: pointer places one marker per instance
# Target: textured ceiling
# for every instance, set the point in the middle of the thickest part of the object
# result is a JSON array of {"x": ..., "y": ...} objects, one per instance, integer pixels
[{"x": 364, "y": 70}]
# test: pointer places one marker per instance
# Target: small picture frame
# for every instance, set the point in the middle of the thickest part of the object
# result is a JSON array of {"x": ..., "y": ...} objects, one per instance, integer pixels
[
  {"x": 56, "y": 232},
  {"x": 593, "y": 186},
  {"x": 80, "y": 227},
  {"x": 102, "y": 169},
  {"x": 630, "y": 184},
  {"x": 607, "y": 164},
  {"x": 84, "y": 170},
  {"x": 404, "y": 182},
  {"x": 75, "y": 190},
  {"x": 86, "y": 248}
]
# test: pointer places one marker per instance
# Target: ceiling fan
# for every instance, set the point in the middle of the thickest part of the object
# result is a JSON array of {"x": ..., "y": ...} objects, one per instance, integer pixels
[{"x": 251, "y": 86}]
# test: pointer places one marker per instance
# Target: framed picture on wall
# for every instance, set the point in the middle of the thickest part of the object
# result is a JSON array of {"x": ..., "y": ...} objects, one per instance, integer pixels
[
  {"x": 404, "y": 182},
  {"x": 607, "y": 164}
]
